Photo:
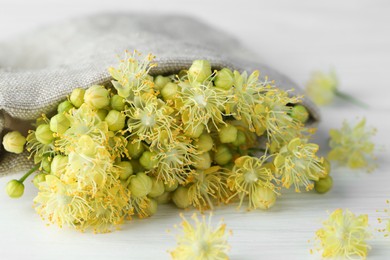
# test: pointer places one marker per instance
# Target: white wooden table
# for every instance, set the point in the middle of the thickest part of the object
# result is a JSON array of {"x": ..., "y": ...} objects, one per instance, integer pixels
[{"x": 296, "y": 37}]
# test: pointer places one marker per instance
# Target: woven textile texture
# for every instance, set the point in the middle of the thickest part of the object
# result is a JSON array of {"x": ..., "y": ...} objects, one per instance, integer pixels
[{"x": 39, "y": 69}]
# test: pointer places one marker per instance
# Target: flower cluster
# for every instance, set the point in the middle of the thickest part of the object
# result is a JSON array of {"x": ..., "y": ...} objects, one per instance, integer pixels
[{"x": 120, "y": 149}]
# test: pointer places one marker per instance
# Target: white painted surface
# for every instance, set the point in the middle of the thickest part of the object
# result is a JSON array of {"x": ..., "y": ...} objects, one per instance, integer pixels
[{"x": 296, "y": 37}]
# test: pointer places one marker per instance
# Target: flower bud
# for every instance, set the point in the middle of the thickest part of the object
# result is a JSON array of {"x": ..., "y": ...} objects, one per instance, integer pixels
[
  {"x": 165, "y": 198},
  {"x": 15, "y": 189},
  {"x": 169, "y": 91},
  {"x": 240, "y": 140},
  {"x": 137, "y": 167},
  {"x": 227, "y": 134},
  {"x": 224, "y": 79},
  {"x": 115, "y": 120},
  {"x": 323, "y": 185},
  {"x": 135, "y": 150},
  {"x": 157, "y": 188},
  {"x": 147, "y": 160},
  {"x": 38, "y": 179},
  {"x": 204, "y": 143},
  {"x": 300, "y": 113},
  {"x": 77, "y": 97},
  {"x": 46, "y": 164},
  {"x": 140, "y": 184},
  {"x": 263, "y": 197},
  {"x": 97, "y": 97},
  {"x": 43, "y": 134},
  {"x": 13, "y": 142},
  {"x": 117, "y": 102},
  {"x": 181, "y": 198},
  {"x": 161, "y": 81},
  {"x": 59, "y": 123},
  {"x": 64, "y": 106},
  {"x": 125, "y": 169},
  {"x": 171, "y": 186},
  {"x": 202, "y": 161},
  {"x": 194, "y": 132},
  {"x": 223, "y": 155},
  {"x": 58, "y": 165},
  {"x": 199, "y": 71},
  {"x": 151, "y": 207}
]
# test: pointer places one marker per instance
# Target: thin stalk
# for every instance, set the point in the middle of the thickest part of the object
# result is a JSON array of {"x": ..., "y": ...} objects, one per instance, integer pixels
[
  {"x": 33, "y": 169},
  {"x": 351, "y": 99}
]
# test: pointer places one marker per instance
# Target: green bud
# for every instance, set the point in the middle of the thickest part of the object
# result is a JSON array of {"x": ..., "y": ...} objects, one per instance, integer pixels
[
  {"x": 38, "y": 179},
  {"x": 46, "y": 164},
  {"x": 15, "y": 189},
  {"x": 169, "y": 91},
  {"x": 227, "y": 134},
  {"x": 151, "y": 207},
  {"x": 140, "y": 184},
  {"x": 115, "y": 120},
  {"x": 137, "y": 167},
  {"x": 300, "y": 113},
  {"x": 64, "y": 106},
  {"x": 202, "y": 161},
  {"x": 102, "y": 113},
  {"x": 165, "y": 198},
  {"x": 224, "y": 79},
  {"x": 199, "y": 71},
  {"x": 58, "y": 165},
  {"x": 59, "y": 123},
  {"x": 171, "y": 186},
  {"x": 194, "y": 132},
  {"x": 181, "y": 198},
  {"x": 241, "y": 138},
  {"x": 323, "y": 185},
  {"x": 13, "y": 142},
  {"x": 204, "y": 143},
  {"x": 117, "y": 102},
  {"x": 77, "y": 97},
  {"x": 223, "y": 155},
  {"x": 263, "y": 197},
  {"x": 148, "y": 160},
  {"x": 125, "y": 169},
  {"x": 157, "y": 188},
  {"x": 87, "y": 146},
  {"x": 43, "y": 134},
  {"x": 135, "y": 149},
  {"x": 97, "y": 97},
  {"x": 161, "y": 81}
]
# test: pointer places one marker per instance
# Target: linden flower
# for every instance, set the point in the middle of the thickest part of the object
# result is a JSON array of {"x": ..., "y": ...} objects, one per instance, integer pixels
[
  {"x": 60, "y": 203},
  {"x": 344, "y": 235},
  {"x": 322, "y": 87},
  {"x": 207, "y": 186},
  {"x": 174, "y": 161},
  {"x": 131, "y": 75},
  {"x": 200, "y": 241},
  {"x": 249, "y": 176},
  {"x": 352, "y": 146},
  {"x": 150, "y": 120},
  {"x": 298, "y": 164},
  {"x": 200, "y": 103}
]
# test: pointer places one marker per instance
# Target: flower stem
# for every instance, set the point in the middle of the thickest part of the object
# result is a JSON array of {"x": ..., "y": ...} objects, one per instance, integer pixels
[
  {"x": 33, "y": 169},
  {"x": 351, "y": 99}
]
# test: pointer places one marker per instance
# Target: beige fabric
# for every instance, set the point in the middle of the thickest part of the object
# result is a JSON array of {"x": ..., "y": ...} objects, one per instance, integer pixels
[{"x": 39, "y": 69}]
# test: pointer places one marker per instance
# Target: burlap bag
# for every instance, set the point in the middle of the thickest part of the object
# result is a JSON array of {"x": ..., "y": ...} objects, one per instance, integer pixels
[{"x": 39, "y": 69}]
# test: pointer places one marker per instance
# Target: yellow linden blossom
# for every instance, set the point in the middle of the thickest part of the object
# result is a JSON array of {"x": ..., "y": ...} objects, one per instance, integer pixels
[
  {"x": 344, "y": 235},
  {"x": 200, "y": 241},
  {"x": 322, "y": 87},
  {"x": 250, "y": 175},
  {"x": 352, "y": 146},
  {"x": 298, "y": 164},
  {"x": 131, "y": 76}
]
